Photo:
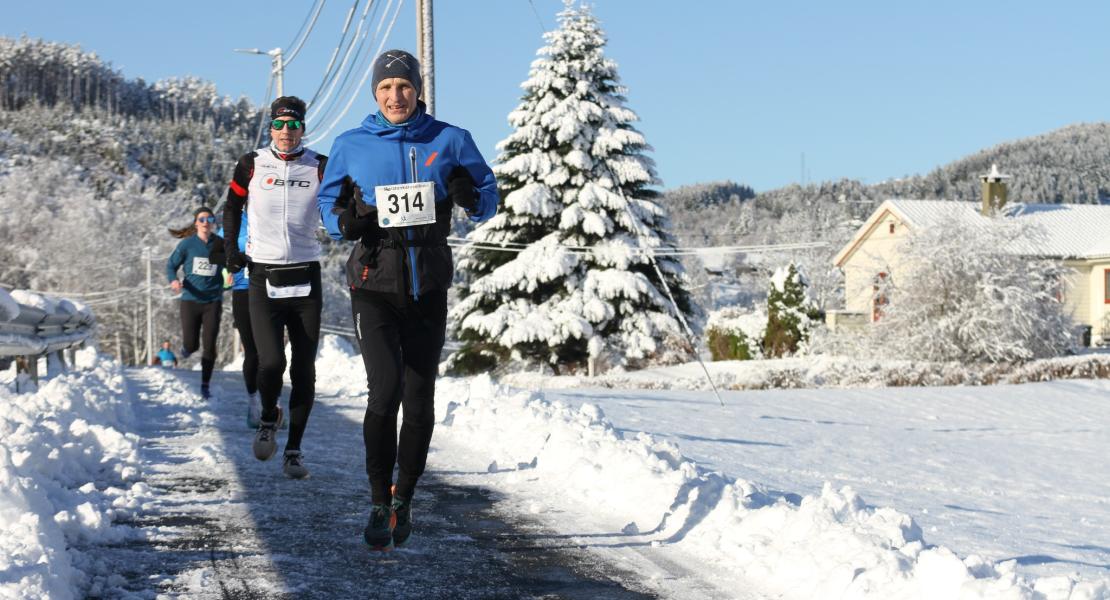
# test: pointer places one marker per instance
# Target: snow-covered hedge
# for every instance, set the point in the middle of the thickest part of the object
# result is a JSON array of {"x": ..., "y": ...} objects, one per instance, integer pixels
[
  {"x": 826, "y": 371},
  {"x": 735, "y": 333}
]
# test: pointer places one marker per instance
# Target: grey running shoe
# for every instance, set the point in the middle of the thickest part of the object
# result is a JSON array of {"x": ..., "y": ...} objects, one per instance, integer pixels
[
  {"x": 265, "y": 441},
  {"x": 293, "y": 465}
]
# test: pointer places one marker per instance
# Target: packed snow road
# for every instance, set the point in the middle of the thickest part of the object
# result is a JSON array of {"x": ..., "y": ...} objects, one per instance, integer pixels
[{"x": 224, "y": 525}]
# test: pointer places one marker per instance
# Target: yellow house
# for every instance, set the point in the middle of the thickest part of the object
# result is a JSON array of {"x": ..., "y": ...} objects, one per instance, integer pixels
[{"x": 1078, "y": 235}]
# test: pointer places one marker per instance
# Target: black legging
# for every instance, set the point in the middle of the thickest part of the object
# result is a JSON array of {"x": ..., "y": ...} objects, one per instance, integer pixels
[
  {"x": 195, "y": 318},
  {"x": 270, "y": 319},
  {"x": 241, "y": 316},
  {"x": 400, "y": 341}
]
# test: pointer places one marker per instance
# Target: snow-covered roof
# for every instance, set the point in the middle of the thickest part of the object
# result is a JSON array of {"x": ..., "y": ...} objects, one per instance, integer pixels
[
  {"x": 1071, "y": 230},
  {"x": 994, "y": 175}
]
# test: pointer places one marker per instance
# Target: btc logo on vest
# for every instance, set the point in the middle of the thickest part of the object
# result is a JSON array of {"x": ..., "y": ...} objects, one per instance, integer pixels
[{"x": 271, "y": 181}]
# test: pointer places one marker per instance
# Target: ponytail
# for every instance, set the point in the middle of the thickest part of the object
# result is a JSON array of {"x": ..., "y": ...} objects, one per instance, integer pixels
[{"x": 184, "y": 232}]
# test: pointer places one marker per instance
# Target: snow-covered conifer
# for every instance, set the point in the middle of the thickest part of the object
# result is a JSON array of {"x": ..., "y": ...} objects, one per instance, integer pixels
[
  {"x": 791, "y": 313},
  {"x": 561, "y": 276}
]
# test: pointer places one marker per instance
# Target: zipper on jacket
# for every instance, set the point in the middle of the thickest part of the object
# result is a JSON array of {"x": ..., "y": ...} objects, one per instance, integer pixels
[
  {"x": 408, "y": 230},
  {"x": 285, "y": 210}
]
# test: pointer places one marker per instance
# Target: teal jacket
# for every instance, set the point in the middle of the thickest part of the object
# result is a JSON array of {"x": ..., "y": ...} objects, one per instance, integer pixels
[{"x": 203, "y": 281}]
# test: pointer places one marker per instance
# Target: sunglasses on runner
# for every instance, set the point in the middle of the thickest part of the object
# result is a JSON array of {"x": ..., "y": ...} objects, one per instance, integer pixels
[
  {"x": 278, "y": 124},
  {"x": 206, "y": 219}
]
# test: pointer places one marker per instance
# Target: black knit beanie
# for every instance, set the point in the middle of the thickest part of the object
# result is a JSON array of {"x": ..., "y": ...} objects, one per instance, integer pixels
[
  {"x": 397, "y": 63},
  {"x": 288, "y": 106}
]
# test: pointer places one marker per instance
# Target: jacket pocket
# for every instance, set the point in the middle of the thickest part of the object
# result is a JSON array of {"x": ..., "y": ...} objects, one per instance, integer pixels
[{"x": 376, "y": 269}]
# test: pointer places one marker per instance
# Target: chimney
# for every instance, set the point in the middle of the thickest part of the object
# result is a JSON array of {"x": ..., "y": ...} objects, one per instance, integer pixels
[{"x": 994, "y": 191}]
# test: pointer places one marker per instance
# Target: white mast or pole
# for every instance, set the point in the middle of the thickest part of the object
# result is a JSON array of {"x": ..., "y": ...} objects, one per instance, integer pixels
[{"x": 425, "y": 43}]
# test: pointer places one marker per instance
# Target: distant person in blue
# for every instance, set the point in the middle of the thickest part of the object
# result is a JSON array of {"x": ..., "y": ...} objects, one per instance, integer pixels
[
  {"x": 241, "y": 318},
  {"x": 391, "y": 184},
  {"x": 166, "y": 357},
  {"x": 199, "y": 256}
]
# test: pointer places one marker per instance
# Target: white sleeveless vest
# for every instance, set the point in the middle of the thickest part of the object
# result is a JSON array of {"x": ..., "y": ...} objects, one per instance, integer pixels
[{"x": 282, "y": 211}]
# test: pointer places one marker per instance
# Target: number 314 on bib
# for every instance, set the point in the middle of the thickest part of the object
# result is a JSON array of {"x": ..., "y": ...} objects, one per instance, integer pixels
[{"x": 406, "y": 204}]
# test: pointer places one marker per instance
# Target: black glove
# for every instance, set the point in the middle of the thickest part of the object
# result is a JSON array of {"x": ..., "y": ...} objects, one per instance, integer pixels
[
  {"x": 346, "y": 192},
  {"x": 217, "y": 256},
  {"x": 460, "y": 189},
  {"x": 353, "y": 226},
  {"x": 350, "y": 196},
  {"x": 236, "y": 260}
]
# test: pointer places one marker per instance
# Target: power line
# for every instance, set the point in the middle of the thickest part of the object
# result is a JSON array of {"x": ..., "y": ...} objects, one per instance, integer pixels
[
  {"x": 322, "y": 108},
  {"x": 335, "y": 53},
  {"x": 363, "y": 61},
  {"x": 543, "y": 28},
  {"x": 365, "y": 75},
  {"x": 314, "y": 15},
  {"x": 262, "y": 110},
  {"x": 666, "y": 251}
]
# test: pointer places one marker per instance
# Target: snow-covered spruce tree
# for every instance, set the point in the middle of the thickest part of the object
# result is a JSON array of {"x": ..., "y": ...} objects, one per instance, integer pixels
[
  {"x": 975, "y": 296},
  {"x": 791, "y": 313},
  {"x": 560, "y": 276}
]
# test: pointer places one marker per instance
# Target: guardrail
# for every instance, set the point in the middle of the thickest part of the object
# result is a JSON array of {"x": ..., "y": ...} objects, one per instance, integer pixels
[{"x": 34, "y": 325}]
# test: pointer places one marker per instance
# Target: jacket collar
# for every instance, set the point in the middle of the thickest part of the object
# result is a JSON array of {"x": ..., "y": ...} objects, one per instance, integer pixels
[
  {"x": 380, "y": 126},
  {"x": 287, "y": 156}
]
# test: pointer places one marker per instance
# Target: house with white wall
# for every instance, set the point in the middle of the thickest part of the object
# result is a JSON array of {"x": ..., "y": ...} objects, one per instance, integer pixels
[{"x": 1077, "y": 235}]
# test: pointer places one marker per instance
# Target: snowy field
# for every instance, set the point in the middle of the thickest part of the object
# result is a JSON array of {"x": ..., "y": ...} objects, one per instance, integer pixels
[{"x": 963, "y": 492}]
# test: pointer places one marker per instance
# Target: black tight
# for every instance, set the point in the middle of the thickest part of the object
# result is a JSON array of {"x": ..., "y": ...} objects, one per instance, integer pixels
[
  {"x": 198, "y": 318},
  {"x": 400, "y": 341},
  {"x": 270, "y": 319}
]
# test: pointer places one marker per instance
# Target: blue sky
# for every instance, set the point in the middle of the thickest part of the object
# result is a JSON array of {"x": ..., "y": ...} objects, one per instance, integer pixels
[{"x": 725, "y": 89}]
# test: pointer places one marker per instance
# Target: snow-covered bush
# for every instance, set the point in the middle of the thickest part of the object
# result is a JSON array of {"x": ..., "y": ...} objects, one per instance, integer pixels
[
  {"x": 563, "y": 276},
  {"x": 970, "y": 294},
  {"x": 791, "y": 313},
  {"x": 735, "y": 333}
]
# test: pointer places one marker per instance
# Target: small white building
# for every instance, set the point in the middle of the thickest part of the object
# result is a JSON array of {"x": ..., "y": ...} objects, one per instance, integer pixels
[{"x": 1078, "y": 235}]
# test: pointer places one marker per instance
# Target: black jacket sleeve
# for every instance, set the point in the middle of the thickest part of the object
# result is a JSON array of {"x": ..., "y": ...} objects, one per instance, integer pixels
[
  {"x": 217, "y": 256},
  {"x": 236, "y": 202}
]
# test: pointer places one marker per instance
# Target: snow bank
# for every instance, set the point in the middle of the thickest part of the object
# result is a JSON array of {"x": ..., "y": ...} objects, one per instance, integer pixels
[
  {"x": 44, "y": 303},
  {"x": 831, "y": 545},
  {"x": 570, "y": 468},
  {"x": 9, "y": 307},
  {"x": 827, "y": 372},
  {"x": 68, "y": 469}
]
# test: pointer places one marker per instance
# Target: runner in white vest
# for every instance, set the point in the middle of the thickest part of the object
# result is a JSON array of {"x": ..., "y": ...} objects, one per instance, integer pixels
[{"x": 282, "y": 257}]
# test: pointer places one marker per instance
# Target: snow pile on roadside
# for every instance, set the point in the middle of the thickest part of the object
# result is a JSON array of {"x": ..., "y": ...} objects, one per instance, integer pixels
[
  {"x": 68, "y": 469},
  {"x": 573, "y": 464}
]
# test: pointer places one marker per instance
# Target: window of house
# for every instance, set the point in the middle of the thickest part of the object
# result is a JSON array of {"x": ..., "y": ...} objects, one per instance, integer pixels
[
  {"x": 1106, "y": 286},
  {"x": 878, "y": 296},
  {"x": 892, "y": 228}
]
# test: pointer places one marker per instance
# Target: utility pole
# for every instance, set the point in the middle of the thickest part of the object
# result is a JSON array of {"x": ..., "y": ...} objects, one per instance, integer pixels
[
  {"x": 277, "y": 65},
  {"x": 425, "y": 46},
  {"x": 149, "y": 307}
]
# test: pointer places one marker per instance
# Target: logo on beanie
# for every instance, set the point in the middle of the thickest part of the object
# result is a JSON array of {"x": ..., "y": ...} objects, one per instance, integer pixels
[{"x": 285, "y": 111}]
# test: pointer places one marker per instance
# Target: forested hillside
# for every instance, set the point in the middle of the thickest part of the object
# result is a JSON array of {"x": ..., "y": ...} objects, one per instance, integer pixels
[
  {"x": 1069, "y": 165},
  {"x": 94, "y": 167}
]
